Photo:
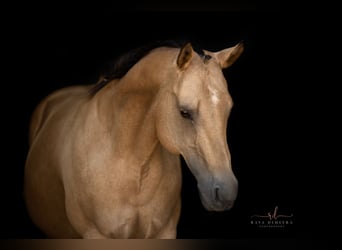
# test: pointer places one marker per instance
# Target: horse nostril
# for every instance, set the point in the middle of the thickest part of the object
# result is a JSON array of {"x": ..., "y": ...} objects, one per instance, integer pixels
[{"x": 217, "y": 196}]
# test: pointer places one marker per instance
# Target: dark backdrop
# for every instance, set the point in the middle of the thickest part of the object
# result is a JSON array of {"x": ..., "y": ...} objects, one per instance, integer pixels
[{"x": 62, "y": 45}]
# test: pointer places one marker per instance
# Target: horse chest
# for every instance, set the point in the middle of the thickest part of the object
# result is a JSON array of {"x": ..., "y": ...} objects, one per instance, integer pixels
[
  {"x": 127, "y": 207},
  {"x": 135, "y": 222}
]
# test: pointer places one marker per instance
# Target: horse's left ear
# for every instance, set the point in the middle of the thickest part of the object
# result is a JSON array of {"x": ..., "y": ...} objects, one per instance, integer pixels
[
  {"x": 228, "y": 56},
  {"x": 184, "y": 56}
]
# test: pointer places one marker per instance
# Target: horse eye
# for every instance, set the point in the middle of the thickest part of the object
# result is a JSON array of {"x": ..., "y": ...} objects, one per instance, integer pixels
[{"x": 185, "y": 114}]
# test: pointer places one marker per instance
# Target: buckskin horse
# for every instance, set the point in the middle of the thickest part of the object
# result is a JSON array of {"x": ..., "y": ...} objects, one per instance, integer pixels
[{"x": 104, "y": 159}]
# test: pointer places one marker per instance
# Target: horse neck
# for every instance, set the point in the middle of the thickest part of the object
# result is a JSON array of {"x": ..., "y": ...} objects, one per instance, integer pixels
[{"x": 127, "y": 109}]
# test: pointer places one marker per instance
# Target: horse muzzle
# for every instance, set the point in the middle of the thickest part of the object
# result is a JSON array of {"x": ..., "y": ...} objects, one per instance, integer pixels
[{"x": 218, "y": 194}]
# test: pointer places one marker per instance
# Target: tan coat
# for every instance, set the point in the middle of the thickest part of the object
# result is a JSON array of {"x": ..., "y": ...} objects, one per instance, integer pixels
[{"x": 108, "y": 166}]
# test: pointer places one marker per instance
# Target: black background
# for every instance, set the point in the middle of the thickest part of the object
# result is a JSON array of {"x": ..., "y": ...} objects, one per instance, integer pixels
[{"x": 50, "y": 46}]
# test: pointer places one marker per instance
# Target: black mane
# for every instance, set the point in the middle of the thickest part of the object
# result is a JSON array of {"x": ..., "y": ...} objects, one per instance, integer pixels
[{"x": 119, "y": 67}]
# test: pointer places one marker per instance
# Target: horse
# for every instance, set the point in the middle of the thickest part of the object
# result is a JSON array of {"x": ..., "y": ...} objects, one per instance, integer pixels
[{"x": 104, "y": 159}]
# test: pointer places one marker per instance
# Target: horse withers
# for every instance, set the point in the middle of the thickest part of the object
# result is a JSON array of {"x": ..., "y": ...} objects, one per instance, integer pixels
[{"x": 104, "y": 160}]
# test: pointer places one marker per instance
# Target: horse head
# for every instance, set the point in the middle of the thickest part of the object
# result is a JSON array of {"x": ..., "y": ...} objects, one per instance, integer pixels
[{"x": 193, "y": 121}]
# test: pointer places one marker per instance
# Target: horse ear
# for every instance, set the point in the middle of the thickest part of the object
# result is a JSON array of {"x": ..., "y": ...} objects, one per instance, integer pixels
[
  {"x": 184, "y": 56},
  {"x": 228, "y": 56}
]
